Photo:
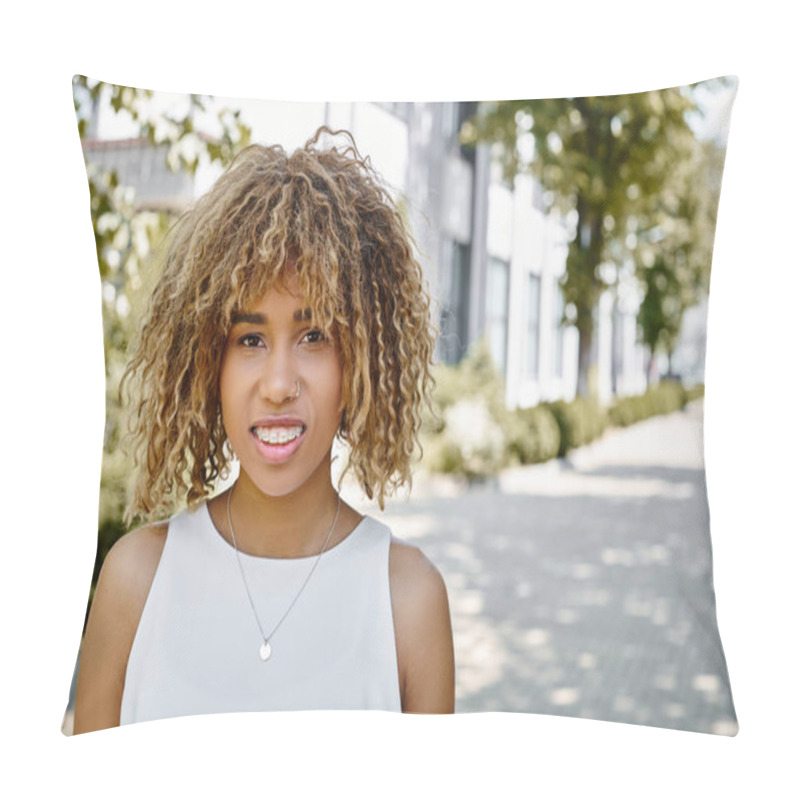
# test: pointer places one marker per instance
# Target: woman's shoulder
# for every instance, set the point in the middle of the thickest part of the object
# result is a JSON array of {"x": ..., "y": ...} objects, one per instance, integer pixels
[
  {"x": 119, "y": 598},
  {"x": 417, "y": 587},
  {"x": 125, "y": 580},
  {"x": 140, "y": 546},
  {"x": 411, "y": 569},
  {"x": 423, "y": 632},
  {"x": 132, "y": 562}
]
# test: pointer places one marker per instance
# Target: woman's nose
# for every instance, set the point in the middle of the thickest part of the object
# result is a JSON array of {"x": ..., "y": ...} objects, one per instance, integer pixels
[{"x": 279, "y": 381}]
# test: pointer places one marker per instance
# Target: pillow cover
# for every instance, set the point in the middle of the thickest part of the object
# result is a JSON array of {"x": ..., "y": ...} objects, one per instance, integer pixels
[{"x": 567, "y": 244}]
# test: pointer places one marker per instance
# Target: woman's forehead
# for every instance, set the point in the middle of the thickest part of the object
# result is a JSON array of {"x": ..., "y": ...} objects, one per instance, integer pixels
[
  {"x": 286, "y": 285},
  {"x": 290, "y": 299},
  {"x": 284, "y": 298},
  {"x": 291, "y": 284}
]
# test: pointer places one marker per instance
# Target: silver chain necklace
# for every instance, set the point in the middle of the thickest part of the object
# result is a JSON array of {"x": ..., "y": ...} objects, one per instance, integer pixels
[{"x": 265, "y": 651}]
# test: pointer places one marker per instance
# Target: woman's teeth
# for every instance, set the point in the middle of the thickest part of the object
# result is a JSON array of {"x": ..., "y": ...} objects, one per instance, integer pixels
[{"x": 274, "y": 435}]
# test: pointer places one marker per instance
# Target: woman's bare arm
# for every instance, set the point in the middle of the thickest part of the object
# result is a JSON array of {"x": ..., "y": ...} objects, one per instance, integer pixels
[
  {"x": 423, "y": 632},
  {"x": 122, "y": 589}
]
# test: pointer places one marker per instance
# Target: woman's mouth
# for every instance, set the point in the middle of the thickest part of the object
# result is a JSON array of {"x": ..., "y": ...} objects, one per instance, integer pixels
[
  {"x": 277, "y": 443},
  {"x": 275, "y": 435}
]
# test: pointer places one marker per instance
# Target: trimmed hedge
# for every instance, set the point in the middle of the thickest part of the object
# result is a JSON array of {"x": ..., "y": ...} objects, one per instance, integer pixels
[
  {"x": 472, "y": 433},
  {"x": 580, "y": 421},
  {"x": 468, "y": 431},
  {"x": 665, "y": 398},
  {"x": 535, "y": 435},
  {"x": 695, "y": 392}
]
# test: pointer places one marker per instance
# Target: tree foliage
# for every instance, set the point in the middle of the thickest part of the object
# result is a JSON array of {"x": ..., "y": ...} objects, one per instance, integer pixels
[
  {"x": 615, "y": 167},
  {"x": 674, "y": 244}
]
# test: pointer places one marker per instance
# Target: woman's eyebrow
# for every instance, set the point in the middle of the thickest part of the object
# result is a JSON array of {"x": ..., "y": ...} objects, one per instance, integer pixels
[
  {"x": 255, "y": 318},
  {"x": 250, "y": 319}
]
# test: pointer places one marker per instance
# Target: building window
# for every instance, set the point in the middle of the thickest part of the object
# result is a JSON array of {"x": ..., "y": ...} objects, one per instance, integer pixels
[
  {"x": 497, "y": 311},
  {"x": 558, "y": 331},
  {"x": 450, "y": 121},
  {"x": 532, "y": 343},
  {"x": 454, "y": 302},
  {"x": 453, "y": 117}
]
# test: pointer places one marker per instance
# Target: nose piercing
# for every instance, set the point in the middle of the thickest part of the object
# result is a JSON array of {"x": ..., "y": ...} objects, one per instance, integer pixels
[{"x": 297, "y": 393}]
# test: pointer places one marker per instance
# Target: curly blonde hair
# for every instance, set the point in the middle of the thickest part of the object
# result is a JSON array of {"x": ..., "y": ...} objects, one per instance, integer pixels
[{"x": 323, "y": 213}]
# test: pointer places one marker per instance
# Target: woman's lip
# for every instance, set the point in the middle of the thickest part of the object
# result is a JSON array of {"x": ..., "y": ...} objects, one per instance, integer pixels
[
  {"x": 278, "y": 453},
  {"x": 278, "y": 422}
]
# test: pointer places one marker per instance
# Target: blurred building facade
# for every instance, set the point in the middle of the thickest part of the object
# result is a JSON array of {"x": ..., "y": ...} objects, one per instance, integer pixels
[
  {"x": 494, "y": 259},
  {"x": 140, "y": 165},
  {"x": 492, "y": 256}
]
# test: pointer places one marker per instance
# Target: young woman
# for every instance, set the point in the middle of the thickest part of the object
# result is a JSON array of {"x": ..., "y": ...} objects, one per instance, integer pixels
[{"x": 291, "y": 311}]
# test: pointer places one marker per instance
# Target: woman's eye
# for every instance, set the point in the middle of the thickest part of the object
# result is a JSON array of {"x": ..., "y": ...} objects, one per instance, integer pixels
[
  {"x": 314, "y": 337},
  {"x": 250, "y": 340}
]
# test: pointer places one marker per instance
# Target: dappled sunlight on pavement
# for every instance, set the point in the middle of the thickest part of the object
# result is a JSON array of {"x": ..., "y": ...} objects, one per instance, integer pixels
[{"x": 583, "y": 587}]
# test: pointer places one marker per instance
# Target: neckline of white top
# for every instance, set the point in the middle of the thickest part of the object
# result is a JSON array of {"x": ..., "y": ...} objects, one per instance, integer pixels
[{"x": 340, "y": 546}]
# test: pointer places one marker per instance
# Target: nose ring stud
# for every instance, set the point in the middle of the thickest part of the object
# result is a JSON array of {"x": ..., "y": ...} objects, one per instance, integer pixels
[{"x": 297, "y": 393}]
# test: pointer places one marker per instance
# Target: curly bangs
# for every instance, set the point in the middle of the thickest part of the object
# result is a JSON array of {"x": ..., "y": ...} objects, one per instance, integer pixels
[{"x": 321, "y": 215}]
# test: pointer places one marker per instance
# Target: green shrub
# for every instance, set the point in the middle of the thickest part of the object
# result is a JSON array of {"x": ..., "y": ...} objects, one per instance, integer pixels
[
  {"x": 695, "y": 392},
  {"x": 666, "y": 397},
  {"x": 580, "y": 421},
  {"x": 472, "y": 442},
  {"x": 535, "y": 435},
  {"x": 468, "y": 431},
  {"x": 629, "y": 410}
]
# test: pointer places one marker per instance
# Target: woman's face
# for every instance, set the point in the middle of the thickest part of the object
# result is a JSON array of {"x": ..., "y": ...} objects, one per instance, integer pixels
[{"x": 281, "y": 393}]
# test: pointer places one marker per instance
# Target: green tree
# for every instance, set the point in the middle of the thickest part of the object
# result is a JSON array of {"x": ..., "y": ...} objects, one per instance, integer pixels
[
  {"x": 600, "y": 161},
  {"x": 684, "y": 233},
  {"x": 127, "y": 232},
  {"x": 674, "y": 245},
  {"x": 661, "y": 311}
]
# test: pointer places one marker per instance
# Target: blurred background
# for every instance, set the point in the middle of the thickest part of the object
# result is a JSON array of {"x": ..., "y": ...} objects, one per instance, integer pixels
[{"x": 567, "y": 244}]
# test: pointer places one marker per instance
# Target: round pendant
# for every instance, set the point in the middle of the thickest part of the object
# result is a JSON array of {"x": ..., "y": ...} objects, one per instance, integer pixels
[{"x": 265, "y": 651}]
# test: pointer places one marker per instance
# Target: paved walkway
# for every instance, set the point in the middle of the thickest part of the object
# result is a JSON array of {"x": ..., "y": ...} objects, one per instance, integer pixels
[{"x": 582, "y": 587}]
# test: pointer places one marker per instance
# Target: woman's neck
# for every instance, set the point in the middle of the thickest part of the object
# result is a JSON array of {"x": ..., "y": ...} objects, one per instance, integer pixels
[
  {"x": 294, "y": 525},
  {"x": 291, "y": 526}
]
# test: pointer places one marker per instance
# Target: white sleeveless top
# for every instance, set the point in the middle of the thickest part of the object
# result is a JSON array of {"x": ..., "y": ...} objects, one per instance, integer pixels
[{"x": 196, "y": 650}]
